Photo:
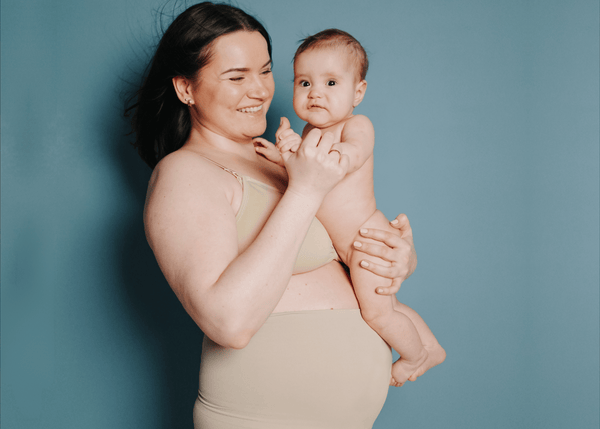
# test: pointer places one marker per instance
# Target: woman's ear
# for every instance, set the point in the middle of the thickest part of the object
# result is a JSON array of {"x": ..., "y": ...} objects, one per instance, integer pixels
[
  {"x": 183, "y": 89},
  {"x": 359, "y": 93}
]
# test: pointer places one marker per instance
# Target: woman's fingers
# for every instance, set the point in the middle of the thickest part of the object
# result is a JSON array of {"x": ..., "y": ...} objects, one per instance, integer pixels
[
  {"x": 326, "y": 142},
  {"x": 390, "y": 290},
  {"x": 388, "y": 238},
  {"x": 402, "y": 224},
  {"x": 344, "y": 163},
  {"x": 394, "y": 272},
  {"x": 312, "y": 139},
  {"x": 377, "y": 250}
]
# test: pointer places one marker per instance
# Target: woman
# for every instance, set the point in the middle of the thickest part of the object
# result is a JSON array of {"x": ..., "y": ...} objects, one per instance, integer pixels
[{"x": 236, "y": 238}]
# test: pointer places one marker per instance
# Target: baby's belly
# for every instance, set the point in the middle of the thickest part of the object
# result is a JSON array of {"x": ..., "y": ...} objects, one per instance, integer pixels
[
  {"x": 307, "y": 369},
  {"x": 325, "y": 288}
]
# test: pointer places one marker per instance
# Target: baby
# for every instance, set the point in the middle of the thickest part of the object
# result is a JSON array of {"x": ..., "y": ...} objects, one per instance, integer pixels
[{"x": 329, "y": 82}]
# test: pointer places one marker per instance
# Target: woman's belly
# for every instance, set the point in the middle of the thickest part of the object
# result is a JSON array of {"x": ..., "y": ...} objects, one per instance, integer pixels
[
  {"x": 302, "y": 369},
  {"x": 326, "y": 288}
]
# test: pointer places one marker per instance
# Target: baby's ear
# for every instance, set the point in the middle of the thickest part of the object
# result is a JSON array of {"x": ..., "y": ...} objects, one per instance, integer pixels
[{"x": 359, "y": 93}]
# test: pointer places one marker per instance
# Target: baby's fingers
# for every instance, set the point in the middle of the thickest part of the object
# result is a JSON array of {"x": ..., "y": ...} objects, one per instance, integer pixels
[
  {"x": 285, "y": 134},
  {"x": 289, "y": 143},
  {"x": 284, "y": 124},
  {"x": 263, "y": 144}
]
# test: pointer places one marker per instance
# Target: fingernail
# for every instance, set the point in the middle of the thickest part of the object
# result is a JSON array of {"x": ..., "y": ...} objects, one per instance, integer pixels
[
  {"x": 364, "y": 231},
  {"x": 394, "y": 222},
  {"x": 364, "y": 264},
  {"x": 379, "y": 290},
  {"x": 357, "y": 244}
]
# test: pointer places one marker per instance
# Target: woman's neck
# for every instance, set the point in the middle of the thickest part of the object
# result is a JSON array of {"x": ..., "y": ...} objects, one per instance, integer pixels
[
  {"x": 239, "y": 156},
  {"x": 206, "y": 142}
]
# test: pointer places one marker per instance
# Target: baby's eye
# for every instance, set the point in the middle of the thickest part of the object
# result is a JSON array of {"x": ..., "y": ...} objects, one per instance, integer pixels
[
  {"x": 304, "y": 83},
  {"x": 331, "y": 82}
]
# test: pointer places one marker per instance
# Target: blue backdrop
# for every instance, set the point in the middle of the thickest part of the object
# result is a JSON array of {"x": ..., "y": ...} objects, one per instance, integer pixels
[{"x": 486, "y": 116}]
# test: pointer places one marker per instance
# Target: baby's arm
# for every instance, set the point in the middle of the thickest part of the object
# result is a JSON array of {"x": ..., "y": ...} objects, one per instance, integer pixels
[
  {"x": 357, "y": 141},
  {"x": 285, "y": 137}
]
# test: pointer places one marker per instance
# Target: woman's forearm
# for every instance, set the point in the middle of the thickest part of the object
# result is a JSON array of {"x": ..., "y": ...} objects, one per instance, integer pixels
[{"x": 250, "y": 287}]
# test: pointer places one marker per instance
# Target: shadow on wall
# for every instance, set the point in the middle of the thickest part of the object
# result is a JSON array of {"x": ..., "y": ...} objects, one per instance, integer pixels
[{"x": 171, "y": 341}]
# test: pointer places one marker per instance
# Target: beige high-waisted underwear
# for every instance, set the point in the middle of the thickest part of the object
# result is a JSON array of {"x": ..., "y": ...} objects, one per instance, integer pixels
[{"x": 302, "y": 369}]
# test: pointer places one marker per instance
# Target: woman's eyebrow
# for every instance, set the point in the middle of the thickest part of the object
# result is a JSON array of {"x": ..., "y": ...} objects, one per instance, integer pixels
[{"x": 244, "y": 69}]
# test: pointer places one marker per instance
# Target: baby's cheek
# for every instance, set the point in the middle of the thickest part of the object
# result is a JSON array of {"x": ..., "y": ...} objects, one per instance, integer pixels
[{"x": 298, "y": 106}]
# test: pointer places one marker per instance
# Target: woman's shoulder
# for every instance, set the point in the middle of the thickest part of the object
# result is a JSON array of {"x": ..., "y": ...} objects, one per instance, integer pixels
[
  {"x": 182, "y": 161},
  {"x": 187, "y": 176},
  {"x": 188, "y": 166}
]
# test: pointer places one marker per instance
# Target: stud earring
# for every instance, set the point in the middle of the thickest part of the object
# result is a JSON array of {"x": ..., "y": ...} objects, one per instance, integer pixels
[{"x": 188, "y": 101}]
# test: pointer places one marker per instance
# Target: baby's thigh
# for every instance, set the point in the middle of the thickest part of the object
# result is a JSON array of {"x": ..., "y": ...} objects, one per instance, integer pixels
[
  {"x": 376, "y": 221},
  {"x": 364, "y": 281}
]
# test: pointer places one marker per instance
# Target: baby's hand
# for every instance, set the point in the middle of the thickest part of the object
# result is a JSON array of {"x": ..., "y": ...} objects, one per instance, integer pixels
[
  {"x": 287, "y": 140},
  {"x": 268, "y": 150}
]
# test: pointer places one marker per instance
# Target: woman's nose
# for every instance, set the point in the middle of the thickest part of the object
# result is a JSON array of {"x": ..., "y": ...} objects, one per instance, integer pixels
[{"x": 260, "y": 89}]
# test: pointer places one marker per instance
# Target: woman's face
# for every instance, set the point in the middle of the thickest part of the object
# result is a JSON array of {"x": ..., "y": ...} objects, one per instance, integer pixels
[{"x": 233, "y": 92}]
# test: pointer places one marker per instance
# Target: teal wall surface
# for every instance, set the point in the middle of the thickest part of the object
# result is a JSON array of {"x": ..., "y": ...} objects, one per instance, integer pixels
[{"x": 486, "y": 116}]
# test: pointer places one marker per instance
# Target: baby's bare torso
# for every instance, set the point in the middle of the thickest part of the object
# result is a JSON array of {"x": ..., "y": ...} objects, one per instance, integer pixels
[{"x": 350, "y": 203}]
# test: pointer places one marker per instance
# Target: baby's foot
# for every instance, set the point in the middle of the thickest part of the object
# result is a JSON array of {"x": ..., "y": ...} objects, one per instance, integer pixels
[
  {"x": 435, "y": 356},
  {"x": 403, "y": 369}
]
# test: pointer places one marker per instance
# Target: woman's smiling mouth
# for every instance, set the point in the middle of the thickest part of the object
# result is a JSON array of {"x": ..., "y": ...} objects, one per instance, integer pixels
[{"x": 251, "y": 109}]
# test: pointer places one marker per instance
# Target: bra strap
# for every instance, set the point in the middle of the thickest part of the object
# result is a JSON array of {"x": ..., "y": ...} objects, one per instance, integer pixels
[{"x": 230, "y": 171}]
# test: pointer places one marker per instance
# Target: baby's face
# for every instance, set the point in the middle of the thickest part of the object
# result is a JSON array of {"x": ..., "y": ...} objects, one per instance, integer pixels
[{"x": 326, "y": 86}]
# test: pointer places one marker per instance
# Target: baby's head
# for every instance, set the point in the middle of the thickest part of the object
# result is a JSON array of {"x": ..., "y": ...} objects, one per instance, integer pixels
[{"x": 329, "y": 77}]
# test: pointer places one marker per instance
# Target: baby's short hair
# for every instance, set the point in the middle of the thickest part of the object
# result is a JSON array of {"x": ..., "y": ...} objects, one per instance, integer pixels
[{"x": 334, "y": 38}]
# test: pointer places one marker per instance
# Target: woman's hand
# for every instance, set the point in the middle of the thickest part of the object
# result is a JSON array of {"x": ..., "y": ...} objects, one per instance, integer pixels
[
  {"x": 314, "y": 169},
  {"x": 398, "y": 250}
]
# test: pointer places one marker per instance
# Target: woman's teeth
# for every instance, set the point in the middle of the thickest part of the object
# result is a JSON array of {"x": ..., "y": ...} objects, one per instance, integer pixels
[{"x": 251, "y": 109}]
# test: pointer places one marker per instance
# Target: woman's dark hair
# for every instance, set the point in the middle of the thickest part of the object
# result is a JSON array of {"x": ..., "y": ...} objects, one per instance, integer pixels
[{"x": 161, "y": 122}]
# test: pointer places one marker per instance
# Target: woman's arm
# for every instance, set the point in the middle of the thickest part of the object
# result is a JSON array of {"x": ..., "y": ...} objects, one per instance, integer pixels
[
  {"x": 400, "y": 251},
  {"x": 191, "y": 228}
]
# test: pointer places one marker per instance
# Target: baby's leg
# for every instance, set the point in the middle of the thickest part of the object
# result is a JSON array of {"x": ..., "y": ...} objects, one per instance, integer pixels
[
  {"x": 435, "y": 353},
  {"x": 378, "y": 310}
]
